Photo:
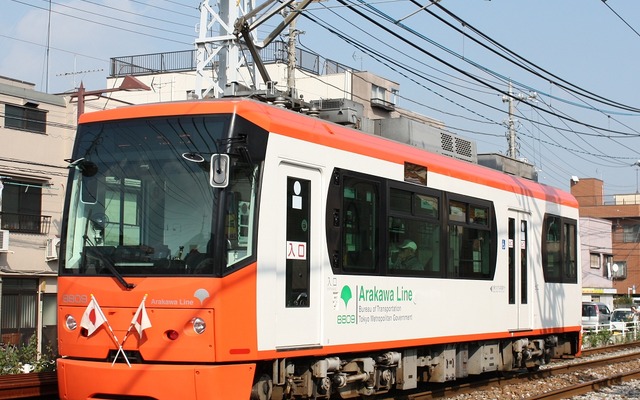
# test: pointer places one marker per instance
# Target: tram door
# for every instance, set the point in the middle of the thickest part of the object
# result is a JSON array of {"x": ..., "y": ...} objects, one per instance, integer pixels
[
  {"x": 298, "y": 309},
  {"x": 520, "y": 277}
]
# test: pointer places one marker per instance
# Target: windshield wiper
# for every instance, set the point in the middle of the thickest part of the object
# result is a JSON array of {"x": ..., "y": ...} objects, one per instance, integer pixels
[
  {"x": 103, "y": 258},
  {"x": 107, "y": 263}
]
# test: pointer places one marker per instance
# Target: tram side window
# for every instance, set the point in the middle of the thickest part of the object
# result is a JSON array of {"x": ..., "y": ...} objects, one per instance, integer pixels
[
  {"x": 360, "y": 225},
  {"x": 570, "y": 271},
  {"x": 414, "y": 234},
  {"x": 559, "y": 252},
  {"x": 469, "y": 241},
  {"x": 240, "y": 216}
]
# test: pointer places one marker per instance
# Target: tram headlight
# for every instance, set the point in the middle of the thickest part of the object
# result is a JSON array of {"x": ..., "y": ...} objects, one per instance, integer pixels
[
  {"x": 70, "y": 322},
  {"x": 199, "y": 325}
]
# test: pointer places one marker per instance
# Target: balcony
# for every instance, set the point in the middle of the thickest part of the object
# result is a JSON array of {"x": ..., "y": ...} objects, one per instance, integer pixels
[
  {"x": 382, "y": 103},
  {"x": 25, "y": 223}
]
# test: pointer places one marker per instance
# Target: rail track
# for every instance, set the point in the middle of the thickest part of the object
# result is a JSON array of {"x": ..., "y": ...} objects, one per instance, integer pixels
[
  {"x": 41, "y": 385},
  {"x": 44, "y": 385},
  {"x": 557, "y": 381}
]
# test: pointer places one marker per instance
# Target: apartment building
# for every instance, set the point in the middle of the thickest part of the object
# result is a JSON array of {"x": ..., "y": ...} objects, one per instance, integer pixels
[
  {"x": 596, "y": 253},
  {"x": 622, "y": 211},
  {"x": 36, "y": 136}
]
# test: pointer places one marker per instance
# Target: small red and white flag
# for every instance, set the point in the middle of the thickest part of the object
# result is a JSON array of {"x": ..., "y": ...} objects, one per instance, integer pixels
[
  {"x": 93, "y": 317},
  {"x": 140, "y": 319}
]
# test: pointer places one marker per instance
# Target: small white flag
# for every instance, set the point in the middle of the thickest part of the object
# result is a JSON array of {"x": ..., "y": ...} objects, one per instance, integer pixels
[
  {"x": 93, "y": 317},
  {"x": 140, "y": 319}
]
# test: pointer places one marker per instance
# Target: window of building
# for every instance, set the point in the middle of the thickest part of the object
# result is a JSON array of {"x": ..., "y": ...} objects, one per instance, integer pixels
[
  {"x": 19, "y": 309},
  {"x": 594, "y": 260},
  {"x": 379, "y": 98},
  {"x": 394, "y": 96},
  {"x": 619, "y": 270},
  {"x": 28, "y": 118},
  {"x": 378, "y": 92},
  {"x": 21, "y": 208},
  {"x": 631, "y": 233},
  {"x": 608, "y": 264}
]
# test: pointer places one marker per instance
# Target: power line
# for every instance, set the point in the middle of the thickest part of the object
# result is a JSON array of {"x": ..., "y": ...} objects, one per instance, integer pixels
[
  {"x": 620, "y": 17},
  {"x": 104, "y": 24}
]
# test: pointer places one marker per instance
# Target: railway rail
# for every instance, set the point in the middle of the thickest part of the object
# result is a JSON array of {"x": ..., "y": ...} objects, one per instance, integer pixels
[
  {"x": 587, "y": 387},
  {"x": 45, "y": 386},
  {"x": 41, "y": 385},
  {"x": 560, "y": 380}
]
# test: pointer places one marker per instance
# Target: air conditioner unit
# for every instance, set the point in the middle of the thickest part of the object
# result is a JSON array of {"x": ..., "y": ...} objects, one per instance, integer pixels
[
  {"x": 52, "y": 249},
  {"x": 4, "y": 240}
]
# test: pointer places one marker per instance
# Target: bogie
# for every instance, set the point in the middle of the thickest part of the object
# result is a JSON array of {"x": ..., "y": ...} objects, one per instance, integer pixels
[{"x": 356, "y": 376}]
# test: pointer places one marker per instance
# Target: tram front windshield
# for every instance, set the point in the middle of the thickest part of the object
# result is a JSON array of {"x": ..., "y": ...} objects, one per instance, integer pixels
[{"x": 145, "y": 199}]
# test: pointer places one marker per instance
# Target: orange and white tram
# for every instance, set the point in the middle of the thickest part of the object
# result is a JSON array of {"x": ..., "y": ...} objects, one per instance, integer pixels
[{"x": 229, "y": 249}]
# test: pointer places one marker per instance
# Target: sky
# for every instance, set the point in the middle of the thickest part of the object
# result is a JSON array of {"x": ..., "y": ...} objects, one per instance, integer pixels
[{"x": 573, "y": 65}]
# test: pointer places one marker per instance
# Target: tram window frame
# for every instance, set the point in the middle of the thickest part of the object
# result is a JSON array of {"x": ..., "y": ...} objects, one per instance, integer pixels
[
  {"x": 559, "y": 249},
  {"x": 386, "y": 212},
  {"x": 360, "y": 224},
  {"x": 465, "y": 231},
  {"x": 414, "y": 214}
]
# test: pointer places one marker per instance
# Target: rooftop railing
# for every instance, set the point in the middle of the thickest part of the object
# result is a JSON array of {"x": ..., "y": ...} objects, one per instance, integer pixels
[{"x": 186, "y": 60}]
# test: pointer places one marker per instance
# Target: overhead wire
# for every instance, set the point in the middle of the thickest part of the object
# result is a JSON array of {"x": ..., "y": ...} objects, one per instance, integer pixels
[
  {"x": 370, "y": 51},
  {"x": 561, "y": 82},
  {"x": 102, "y": 23},
  {"x": 167, "y": 21},
  {"x": 483, "y": 119},
  {"x": 439, "y": 59},
  {"x": 620, "y": 17},
  {"x": 583, "y": 151}
]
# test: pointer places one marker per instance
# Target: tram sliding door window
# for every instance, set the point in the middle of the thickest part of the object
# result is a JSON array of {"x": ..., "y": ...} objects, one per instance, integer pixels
[
  {"x": 570, "y": 253},
  {"x": 360, "y": 227},
  {"x": 298, "y": 240},
  {"x": 520, "y": 243},
  {"x": 524, "y": 276}
]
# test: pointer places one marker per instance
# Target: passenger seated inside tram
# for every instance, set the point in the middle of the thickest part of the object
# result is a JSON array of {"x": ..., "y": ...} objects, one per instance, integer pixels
[{"x": 407, "y": 256}]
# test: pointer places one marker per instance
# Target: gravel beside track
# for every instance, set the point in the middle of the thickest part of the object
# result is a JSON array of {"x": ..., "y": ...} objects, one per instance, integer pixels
[{"x": 525, "y": 389}]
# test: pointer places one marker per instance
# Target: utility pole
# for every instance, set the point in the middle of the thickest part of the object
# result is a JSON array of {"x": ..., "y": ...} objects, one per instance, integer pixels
[
  {"x": 218, "y": 53},
  {"x": 220, "y": 61},
  {"x": 291, "y": 59},
  {"x": 637, "y": 165},
  {"x": 511, "y": 122}
]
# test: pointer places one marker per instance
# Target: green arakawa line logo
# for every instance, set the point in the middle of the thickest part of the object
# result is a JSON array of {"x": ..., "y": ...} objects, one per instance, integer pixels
[{"x": 346, "y": 295}]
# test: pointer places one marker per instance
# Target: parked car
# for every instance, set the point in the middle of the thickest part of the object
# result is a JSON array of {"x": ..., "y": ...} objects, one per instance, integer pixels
[
  {"x": 623, "y": 319},
  {"x": 595, "y": 315}
]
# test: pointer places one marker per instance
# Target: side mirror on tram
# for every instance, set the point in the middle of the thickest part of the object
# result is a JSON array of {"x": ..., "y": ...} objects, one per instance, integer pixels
[
  {"x": 89, "y": 183},
  {"x": 219, "y": 171}
]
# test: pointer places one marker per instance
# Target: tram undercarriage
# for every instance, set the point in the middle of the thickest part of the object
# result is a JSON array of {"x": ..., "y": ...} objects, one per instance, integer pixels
[{"x": 350, "y": 376}]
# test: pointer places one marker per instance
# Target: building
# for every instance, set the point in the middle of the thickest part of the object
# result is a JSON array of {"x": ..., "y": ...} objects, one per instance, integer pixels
[
  {"x": 596, "y": 253},
  {"x": 623, "y": 213},
  {"x": 36, "y": 136}
]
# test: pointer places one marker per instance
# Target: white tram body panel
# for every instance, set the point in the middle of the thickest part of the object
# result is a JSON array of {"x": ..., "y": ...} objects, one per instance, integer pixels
[{"x": 349, "y": 311}]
